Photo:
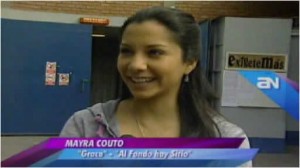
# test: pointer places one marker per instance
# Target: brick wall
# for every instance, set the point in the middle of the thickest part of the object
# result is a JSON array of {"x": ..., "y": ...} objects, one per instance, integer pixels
[
  {"x": 210, "y": 9},
  {"x": 200, "y": 9}
]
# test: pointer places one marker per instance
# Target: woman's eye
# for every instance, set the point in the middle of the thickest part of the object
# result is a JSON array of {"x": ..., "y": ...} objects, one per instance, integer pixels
[
  {"x": 155, "y": 52},
  {"x": 126, "y": 52}
]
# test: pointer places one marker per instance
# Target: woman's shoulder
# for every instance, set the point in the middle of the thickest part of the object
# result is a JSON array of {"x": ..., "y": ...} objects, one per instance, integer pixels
[
  {"x": 84, "y": 123},
  {"x": 227, "y": 128},
  {"x": 231, "y": 130},
  {"x": 104, "y": 109}
]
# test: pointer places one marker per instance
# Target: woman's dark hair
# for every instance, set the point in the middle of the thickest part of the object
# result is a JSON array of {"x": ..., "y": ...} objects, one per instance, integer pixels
[{"x": 196, "y": 95}]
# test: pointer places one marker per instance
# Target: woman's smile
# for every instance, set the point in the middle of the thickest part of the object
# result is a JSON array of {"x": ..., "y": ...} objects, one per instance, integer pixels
[
  {"x": 140, "y": 83},
  {"x": 141, "y": 80}
]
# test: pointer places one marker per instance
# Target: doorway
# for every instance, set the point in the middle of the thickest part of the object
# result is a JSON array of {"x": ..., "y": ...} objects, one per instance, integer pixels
[{"x": 105, "y": 80}]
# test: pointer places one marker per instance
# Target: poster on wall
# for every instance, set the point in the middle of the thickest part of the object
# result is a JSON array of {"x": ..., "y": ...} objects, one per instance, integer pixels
[
  {"x": 63, "y": 79},
  {"x": 50, "y": 79},
  {"x": 50, "y": 76}
]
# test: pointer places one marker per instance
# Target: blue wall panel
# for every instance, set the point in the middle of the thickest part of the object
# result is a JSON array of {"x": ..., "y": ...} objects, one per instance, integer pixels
[{"x": 28, "y": 105}]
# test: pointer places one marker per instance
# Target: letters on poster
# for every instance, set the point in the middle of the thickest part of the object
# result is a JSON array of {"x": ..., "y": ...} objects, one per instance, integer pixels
[{"x": 242, "y": 61}]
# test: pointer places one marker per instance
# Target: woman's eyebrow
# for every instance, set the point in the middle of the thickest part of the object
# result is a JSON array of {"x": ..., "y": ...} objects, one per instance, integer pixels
[
  {"x": 147, "y": 46},
  {"x": 156, "y": 45}
]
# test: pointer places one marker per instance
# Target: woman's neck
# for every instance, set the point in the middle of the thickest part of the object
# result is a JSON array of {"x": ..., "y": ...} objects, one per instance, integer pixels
[
  {"x": 158, "y": 109},
  {"x": 156, "y": 118}
]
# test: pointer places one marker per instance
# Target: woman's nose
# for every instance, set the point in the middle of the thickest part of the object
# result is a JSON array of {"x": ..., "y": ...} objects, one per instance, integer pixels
[{"x": 138, "y": 63}]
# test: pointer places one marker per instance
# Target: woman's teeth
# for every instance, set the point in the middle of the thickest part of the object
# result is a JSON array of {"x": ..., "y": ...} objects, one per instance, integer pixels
[{"x": 142, "y": 80}]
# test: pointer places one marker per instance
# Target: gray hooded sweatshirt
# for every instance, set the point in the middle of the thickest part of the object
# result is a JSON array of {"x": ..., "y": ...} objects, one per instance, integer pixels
[{"x": 99, "y": 121}]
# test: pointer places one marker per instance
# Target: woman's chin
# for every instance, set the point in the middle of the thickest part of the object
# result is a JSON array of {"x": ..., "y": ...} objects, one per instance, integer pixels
[{"x": 142, "y": 95}]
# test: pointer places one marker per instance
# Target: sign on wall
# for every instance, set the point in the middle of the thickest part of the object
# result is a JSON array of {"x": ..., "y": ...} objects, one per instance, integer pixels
[{"x": 254, "y": 61}]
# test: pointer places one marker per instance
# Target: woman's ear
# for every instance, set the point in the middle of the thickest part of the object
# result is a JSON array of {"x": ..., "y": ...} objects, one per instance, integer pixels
[{"x": 191, "y": 65}]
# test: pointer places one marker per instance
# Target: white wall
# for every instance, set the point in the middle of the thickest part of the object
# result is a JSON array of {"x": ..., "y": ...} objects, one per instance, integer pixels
[{"x": 255, "y": 35}]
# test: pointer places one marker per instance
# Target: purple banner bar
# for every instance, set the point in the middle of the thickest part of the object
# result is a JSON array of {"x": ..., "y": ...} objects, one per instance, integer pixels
[
  {"x": 53, "y": 145},
  {"x": 60, "y": 143},
  {"x": 29, "y": 156}
]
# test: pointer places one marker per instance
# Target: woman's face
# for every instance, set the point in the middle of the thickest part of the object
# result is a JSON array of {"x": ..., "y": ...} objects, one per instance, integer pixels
[{"x": 150, "y": 60}]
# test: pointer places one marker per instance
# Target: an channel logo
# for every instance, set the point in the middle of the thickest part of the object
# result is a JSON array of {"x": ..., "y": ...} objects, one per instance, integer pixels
[
  {"x": 278, "y": 88},
  {"x": 267, "y": 83}
]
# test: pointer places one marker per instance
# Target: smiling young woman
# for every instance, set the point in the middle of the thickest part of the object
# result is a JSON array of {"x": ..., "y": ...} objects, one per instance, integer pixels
[
  {"x": 164, "y": 92},
  {"x": 152, "y": 67}
]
